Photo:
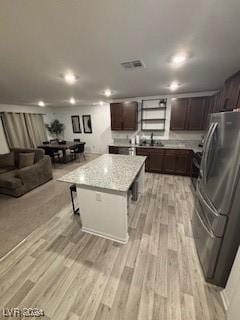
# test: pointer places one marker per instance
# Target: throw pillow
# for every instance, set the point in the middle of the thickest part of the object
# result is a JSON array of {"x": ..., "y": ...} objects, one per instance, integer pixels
[
  {"x": 7, "y": 160},
  {"x": 26, "y": 159}
]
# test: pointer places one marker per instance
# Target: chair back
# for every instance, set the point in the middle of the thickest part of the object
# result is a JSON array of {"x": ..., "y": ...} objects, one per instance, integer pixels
[
  {"x": 53, "y": 140},
  {"x": 45, "y": 142},
  {"x": 76, "y": 140},
  {"x": 80, "y": 148},
  {"x": 50, "y": 152}
]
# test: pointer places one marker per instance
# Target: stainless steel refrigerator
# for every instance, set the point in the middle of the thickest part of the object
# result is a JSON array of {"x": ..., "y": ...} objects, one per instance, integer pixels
[{"x": 216, "y": 217}]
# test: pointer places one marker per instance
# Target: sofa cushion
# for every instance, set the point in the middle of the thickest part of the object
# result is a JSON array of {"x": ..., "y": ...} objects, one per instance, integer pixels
[
  {"x": 26, "y": 159},
  {"x": 7, "y": 160},
  {"x": 9, "y": 180},
  {"x": 39, "y": 154},
  {"x": 6, "y": 169}
]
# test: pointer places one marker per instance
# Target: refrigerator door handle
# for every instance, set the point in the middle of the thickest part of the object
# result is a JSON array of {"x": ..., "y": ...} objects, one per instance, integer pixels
[
  {"x": 214, "y": 127},
  {"x": 210, "y": 136},
  {"x": 214, "y": 212},
  {"x": 209, "y": 232},
  {"x": 204, "y": 151}
]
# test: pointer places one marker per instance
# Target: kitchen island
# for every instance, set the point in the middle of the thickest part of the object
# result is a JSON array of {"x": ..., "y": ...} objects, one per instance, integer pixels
[{"x": 103, "y": 187}]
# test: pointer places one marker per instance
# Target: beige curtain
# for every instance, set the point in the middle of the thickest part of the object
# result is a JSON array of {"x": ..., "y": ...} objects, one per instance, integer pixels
[
  {"x": 16, "y": 130},
  {"x": 36, "y": 128},
  {"x": 3, "y": 140},
  {"x": 24, "y": 130}
]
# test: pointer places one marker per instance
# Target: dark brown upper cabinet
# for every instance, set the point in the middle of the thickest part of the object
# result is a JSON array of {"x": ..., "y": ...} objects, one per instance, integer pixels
[
  {"x": 179, "y": 110},
  {"x": 124, "y": 115},
  {"x": 228, "y": 98},
  {"x": 197, "y": 114},
  {"x": 231, "y": 91},
  {"x": 189, "y": 113},
  {"x": 116, "y": 116}
]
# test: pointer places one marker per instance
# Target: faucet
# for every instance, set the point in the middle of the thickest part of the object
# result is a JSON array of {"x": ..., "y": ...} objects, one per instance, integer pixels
[{"x": 152, "y": 141}]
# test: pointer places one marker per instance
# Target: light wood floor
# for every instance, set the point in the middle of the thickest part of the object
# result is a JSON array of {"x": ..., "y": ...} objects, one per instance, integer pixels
[{"x": 72, "y": 275}]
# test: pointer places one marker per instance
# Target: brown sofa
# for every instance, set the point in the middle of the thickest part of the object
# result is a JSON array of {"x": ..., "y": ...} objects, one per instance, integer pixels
[{"x": 16, "y": 182}]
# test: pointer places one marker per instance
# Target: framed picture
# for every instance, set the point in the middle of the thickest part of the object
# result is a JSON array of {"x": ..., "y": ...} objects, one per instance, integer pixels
[
  {"x": 87, "y": 123},
  {"x": 76, "y": 126}
]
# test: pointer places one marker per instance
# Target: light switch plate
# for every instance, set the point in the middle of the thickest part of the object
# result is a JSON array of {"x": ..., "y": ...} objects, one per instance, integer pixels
[{"x": 98, "y": 196}]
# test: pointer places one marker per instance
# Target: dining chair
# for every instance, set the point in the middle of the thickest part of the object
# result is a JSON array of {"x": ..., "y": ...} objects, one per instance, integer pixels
[
  {"x": 54, "y": 153},
  {"x": 78, "y": 150},
  {"x": 53, "y": 140},
  {"x": 73, "y": 189}
]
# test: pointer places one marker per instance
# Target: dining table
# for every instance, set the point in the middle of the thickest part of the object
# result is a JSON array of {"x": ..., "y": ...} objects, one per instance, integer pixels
[{"x": 60, "y": 146}]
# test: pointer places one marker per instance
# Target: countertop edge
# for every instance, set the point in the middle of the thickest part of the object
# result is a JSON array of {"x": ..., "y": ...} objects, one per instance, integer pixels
[
  {"x": 92, "y": 186},
  {"x": 194, "y": 149}
]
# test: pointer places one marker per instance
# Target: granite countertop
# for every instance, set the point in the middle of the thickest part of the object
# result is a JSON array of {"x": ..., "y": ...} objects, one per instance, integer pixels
[
  {"x": 109, "y": 171},
  {"x": 166, "y": 145}
]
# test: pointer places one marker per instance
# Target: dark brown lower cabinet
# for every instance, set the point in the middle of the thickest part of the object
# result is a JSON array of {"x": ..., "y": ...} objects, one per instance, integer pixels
[
  {"x": 113, "y": 150},
  {"x": 155, "y": 157},
  {"x": 170, "y": 161},
  {"x": 144, "y": 152},
  {"x": 156, "y": 160},
  {"x": 178, "y": 162}
]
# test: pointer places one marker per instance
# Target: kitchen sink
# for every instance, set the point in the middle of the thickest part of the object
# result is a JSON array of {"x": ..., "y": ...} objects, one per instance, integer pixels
[{"x": 155, "y": 144}]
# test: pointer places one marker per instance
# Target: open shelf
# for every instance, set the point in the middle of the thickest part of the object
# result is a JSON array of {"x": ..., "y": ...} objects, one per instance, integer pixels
[
  {"x": 155, "y": 119},
  {"x": 153, "y": 109},
  {"x": 153, "y": 114},
  {"x": 150, "y": 130}
]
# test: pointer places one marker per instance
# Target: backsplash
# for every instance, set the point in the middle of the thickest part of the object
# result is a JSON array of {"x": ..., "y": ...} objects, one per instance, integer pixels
[
  {"x": 186, "y": 135},
  {"x": 172, "y": 136}
]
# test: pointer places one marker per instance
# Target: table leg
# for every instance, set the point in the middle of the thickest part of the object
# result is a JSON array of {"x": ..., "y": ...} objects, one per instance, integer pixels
[{"x": 64, "y": 156}]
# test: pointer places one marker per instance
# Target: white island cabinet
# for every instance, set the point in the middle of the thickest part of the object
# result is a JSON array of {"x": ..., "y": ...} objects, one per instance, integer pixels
[{"x": 102, "y": 192}]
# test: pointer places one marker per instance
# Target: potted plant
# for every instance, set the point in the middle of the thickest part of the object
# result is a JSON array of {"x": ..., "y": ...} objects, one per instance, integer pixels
[{"x": 55, "y": 128}]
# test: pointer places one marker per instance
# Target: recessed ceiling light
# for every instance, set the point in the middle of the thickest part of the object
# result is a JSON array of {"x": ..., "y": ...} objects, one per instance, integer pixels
[
  {"x": 173, "y": 99},
  {"x": 179, "y": 59},
  {"x": 72, "y": 101},
  {"x": 70, "y": 78},
  {"x": 107, "y": 92},
  {"x": 41, "y": 104},
  {"x": 174, "y": 86},
  {"x": 101, "y": 103}
]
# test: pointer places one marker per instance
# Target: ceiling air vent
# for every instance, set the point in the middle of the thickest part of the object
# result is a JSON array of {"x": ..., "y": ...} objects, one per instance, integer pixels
[{"x": 135, "y": 64}]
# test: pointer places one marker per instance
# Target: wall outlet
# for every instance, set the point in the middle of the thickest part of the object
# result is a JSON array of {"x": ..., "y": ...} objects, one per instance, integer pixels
[{"x": 98, "y": 196}]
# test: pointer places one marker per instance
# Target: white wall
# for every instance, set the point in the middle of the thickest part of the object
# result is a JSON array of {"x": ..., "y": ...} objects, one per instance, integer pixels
[
  {"x": 167, "y": 134},
  {"x": 100, "y": 116},
  {"x": 231, "y": 294},
  {"x": 18, "y": 108},
  {"x": 25, "y": 109},
  {"x": 102, "y": 135},
  {"x": 3, "y": 142}
]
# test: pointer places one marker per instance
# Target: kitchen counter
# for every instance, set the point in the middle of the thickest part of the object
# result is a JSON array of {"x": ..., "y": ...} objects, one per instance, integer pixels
[
  {"x": 103, "y": 193},
  {"x": 113, "y": 172},
  {"x": 185, "y": 145}
]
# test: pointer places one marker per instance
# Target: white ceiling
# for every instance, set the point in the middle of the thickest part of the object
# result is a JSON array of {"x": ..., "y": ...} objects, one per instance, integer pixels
[{"x": 39, "y": 40}]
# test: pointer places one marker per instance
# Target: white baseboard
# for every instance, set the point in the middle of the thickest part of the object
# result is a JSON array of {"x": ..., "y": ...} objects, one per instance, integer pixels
[
  {"x": 106, "y": 236},
  {"x": 225, "y": 299}
]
